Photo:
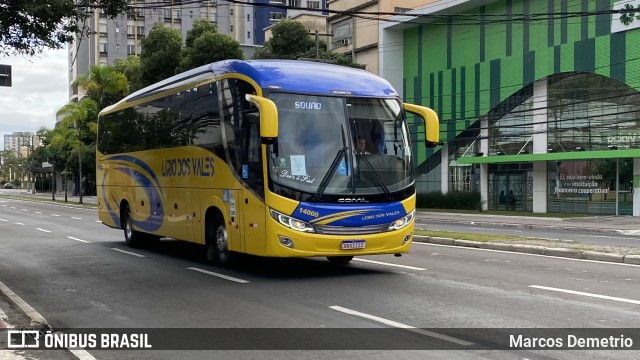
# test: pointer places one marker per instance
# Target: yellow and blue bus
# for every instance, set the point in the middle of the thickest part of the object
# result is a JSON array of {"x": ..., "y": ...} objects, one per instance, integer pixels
[{"x": 272, "y": 158}]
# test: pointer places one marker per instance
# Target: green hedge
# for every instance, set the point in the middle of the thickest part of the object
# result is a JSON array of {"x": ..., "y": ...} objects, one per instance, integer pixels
[{"x": 450, "y": 200}]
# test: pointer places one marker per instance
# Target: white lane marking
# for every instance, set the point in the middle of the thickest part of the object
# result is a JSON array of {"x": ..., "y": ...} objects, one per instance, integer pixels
[
  {"x": 76, "y": 218},
  {"x": 629, "y": 232},
  {"x": 98, "y": 221},
  {"x": 128, "y": 252},
  {"x": 597, "y": 236},
  {"x": 3, "y": 220},
  {"x": 43, "y": 230},
  {"x": 606, "y": 297},
  {"x": 38, "y": 212},
  {"x": 401, "y": 325},
  {"x": 389, "y": 264},
  {"x": 36, "y": 318},
  {"x": 527, "y": 254},
  {"x": 76, "y": 239},
  {"x": 82, "y": 354},
  {"x": 24, "y": 209},
  {"x": 501, "y": 230},
  {"x": 19, "y": 223},
  {"x": 230, "y": 278},
  {"x": 13, "y": 207},
  {"x": 54, "y": 214}
]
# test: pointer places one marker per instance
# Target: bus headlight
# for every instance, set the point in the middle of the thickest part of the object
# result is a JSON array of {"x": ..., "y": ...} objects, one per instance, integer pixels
[
  {"x": 402, "y": 222},
  {"x": 292, "y": 223}
]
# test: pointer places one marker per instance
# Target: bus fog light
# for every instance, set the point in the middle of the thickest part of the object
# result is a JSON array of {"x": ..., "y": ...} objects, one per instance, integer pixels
[
  {"x": 285, "y": 241},
  {"x": 406, "y": 239}
]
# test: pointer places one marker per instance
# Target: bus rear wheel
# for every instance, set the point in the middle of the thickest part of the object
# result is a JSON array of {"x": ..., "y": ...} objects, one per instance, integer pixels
[
  {"x": 131, "y": 237},
  {"x": 339, "y": 260}
]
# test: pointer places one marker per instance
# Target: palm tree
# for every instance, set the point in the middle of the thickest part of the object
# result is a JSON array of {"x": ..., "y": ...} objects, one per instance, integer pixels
[
  {"x": 77, "y": 114},
  {"x": 62, "y": 141},
  {"x": 101, "y": 82},
  {"x": 45, "y": 137}
]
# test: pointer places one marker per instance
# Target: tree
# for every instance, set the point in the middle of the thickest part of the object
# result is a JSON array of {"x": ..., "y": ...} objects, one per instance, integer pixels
[
  {"x": 61, "y": 142},
  {"x": 77, "y": 114},
  {"x": 88, "y": 157},
  {"x": 290, "y": 40},
  {"x": 200, "y": 26},
  {"x": 28, "y": 27},
  {"x": 210, "y": 47},
  {"x": 8, "y": 161},
  {"x": 161, "y": 52},
  {"x": 104, "y": 84},
  {"x": 130, "y": 67},
  {"x": 45, "y": 136}
]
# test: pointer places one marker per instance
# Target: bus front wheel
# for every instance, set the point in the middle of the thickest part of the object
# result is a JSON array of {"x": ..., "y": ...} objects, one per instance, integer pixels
[
  {"x": 339, "y": 260},
  {"x": 218, "y": 246}
]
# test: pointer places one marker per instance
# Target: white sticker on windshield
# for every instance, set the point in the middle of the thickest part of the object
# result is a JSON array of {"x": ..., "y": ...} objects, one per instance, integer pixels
[{"x": 298, "y": 166}]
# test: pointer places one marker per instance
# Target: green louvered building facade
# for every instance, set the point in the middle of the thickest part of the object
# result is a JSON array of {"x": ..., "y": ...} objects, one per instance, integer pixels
[{"x": 538, "y": 100}]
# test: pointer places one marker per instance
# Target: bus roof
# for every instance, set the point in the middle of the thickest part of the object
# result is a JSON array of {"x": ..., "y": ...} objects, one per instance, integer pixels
[{"x": 285, "y": 75}]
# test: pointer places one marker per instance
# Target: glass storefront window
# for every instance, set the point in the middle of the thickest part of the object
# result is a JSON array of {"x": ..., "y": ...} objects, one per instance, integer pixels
[
  {"x": 589, "y": 186},
  {"x": 592, "y": 112}
]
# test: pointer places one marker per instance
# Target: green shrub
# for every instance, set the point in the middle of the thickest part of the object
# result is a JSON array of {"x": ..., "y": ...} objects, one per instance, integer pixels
[{"x": 450, "y": 200}]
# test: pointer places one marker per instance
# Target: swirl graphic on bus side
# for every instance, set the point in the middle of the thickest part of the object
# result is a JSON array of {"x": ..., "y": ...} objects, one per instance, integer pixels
[{"x": 131, "y": 166}]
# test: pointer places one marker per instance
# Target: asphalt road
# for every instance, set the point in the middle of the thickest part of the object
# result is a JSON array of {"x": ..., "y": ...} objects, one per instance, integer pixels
[{"x": 78, "y": 273}]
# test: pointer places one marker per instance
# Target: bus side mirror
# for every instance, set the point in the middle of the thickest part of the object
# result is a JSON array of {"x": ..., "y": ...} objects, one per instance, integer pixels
[
  {"x": 431, "y": 123},
  {"x": 268, "y": 117}
]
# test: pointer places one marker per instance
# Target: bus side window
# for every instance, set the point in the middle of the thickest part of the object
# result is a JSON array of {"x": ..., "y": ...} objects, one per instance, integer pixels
[{"x": 207, "y": 131}]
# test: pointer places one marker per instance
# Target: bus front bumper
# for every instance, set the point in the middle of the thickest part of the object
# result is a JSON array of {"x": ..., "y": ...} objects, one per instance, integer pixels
[{"x": 285, "y": 242}]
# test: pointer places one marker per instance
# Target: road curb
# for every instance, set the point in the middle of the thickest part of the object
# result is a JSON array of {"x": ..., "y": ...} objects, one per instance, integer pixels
[
  {"x": 36, "y": 320},
  {"x": 534, "y": 249}
]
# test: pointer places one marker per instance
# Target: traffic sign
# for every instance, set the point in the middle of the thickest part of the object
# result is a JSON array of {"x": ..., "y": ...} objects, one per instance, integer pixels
[{"x": 5, "y": 75}]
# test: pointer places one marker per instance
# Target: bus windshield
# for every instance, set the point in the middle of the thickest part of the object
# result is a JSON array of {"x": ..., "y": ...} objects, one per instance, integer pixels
[{"x": 340, "y": 145}]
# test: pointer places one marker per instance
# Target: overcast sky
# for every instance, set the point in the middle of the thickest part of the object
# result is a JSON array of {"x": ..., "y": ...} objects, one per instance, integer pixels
[{"x": 39, "y": 90}]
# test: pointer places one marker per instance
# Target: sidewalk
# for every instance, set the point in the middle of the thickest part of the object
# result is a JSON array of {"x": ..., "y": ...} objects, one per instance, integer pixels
[
  {"x": 626, "y": 225},
  {"x": 623, "y": 225},
  {"x": 71, "y": 199}
]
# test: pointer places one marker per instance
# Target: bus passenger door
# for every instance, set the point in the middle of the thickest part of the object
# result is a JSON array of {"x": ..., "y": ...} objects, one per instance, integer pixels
[
  {"x": 254, "y": 223},
  {"x": 252, "y": 175},
  {"x": 245, "y": 152}
]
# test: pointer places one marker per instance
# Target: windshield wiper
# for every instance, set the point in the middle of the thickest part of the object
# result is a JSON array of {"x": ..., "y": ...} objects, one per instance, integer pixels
[
  {"x": 334, "y": 165},
  {"x": 375, "y": 174}
]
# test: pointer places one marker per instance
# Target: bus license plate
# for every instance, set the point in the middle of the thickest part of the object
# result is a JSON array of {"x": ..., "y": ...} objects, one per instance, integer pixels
[{"x": 353, "y": 244}]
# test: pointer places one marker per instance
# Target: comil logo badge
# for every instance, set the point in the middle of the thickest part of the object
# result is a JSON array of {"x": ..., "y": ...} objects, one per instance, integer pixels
[{"x": 23, "y": 339}]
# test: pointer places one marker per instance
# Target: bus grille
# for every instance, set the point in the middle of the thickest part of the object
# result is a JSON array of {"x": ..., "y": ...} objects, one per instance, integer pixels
[{"x": 351, "y": 230}]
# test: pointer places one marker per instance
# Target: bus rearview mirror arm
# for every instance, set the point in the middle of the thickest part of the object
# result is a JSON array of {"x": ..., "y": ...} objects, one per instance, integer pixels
[
  {"x": 431, "y": 123},
  {"x": 268, "y": 117}
]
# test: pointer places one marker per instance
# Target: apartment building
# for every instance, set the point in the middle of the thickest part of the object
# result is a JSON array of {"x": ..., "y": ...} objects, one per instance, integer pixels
[
  {"x": 312, "y": 13},
  {"x": 21, "y": 142},
  {"x": 122, "y": 36},
  {"x": 358, "y": 36}
]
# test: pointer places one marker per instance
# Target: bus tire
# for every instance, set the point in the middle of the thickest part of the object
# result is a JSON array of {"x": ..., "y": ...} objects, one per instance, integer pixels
[
  {"x": 339, "y": 260},
  {"x": 131, "y": 237},
  {"x": 218, "y": 246}
]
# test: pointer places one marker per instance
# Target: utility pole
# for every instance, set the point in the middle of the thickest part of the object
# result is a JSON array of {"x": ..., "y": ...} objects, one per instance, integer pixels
[{"x": 318, "y": 43}]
